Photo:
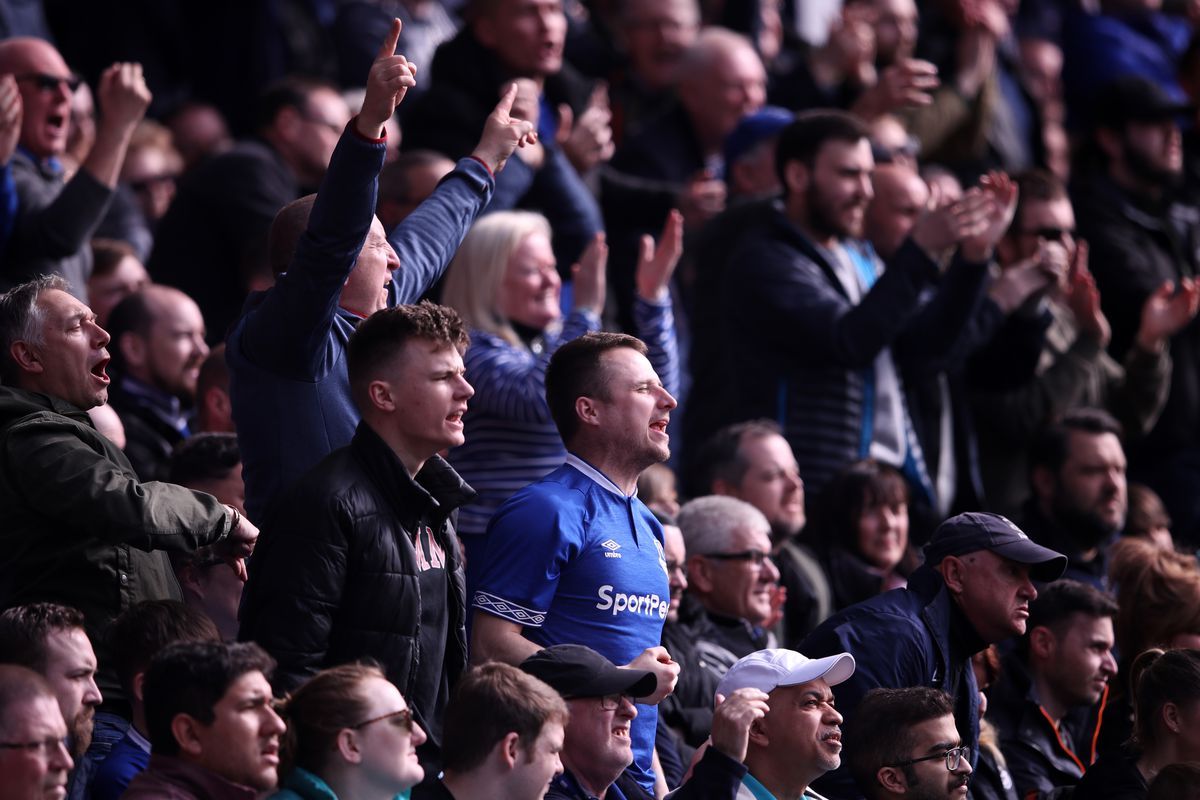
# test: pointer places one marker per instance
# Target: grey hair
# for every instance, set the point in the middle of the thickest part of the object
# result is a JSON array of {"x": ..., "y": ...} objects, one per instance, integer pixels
[
  {"x": 708, "y": 522},
  {"x": 21, "y": 319}
]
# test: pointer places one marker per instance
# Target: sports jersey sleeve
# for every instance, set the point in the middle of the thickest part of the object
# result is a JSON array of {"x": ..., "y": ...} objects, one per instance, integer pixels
[{"x": 529, "y": 542}]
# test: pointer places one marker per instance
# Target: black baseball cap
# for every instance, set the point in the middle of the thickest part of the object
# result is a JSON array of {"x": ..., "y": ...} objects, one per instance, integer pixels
[
  {"x": 971, "y": 532},
  {"x": 1132, "y": 98},
  {"x": 574, "y": 670}
]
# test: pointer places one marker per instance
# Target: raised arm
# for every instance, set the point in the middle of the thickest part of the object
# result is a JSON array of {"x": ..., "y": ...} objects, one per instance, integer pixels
[
  {"x": 288, "y": 330},
  {"x": 428, "y": 238}
]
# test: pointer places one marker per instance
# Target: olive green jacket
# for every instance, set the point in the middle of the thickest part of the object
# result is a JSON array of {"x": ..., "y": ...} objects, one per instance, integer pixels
[{"x": 77, "y": 527}]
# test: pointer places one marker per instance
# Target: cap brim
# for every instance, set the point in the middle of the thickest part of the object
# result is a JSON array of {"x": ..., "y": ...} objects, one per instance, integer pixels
[
  {"x": 633, "y": 682},
  {"x": 834, "y": 669},
  {"x": 1045, "y": 565}
]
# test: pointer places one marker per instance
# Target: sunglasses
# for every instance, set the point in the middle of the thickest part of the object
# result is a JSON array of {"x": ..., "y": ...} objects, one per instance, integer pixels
[
  {"x": 50, "y": 83},
  {"x": 402, "y": 719},
  {"x": 757, "y": 556}
]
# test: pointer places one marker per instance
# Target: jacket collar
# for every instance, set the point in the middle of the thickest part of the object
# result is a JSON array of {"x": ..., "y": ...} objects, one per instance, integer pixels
[
  {"x": 436, "y": 489},
  {"x": 196, "y": 779}
]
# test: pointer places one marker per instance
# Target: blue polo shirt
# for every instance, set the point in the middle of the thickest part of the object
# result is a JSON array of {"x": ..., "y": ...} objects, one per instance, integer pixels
[{"x": 574, "y": 560}]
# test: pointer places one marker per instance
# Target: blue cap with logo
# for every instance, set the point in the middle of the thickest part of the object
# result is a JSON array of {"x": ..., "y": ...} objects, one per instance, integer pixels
[{"x": 974, "y": 531}]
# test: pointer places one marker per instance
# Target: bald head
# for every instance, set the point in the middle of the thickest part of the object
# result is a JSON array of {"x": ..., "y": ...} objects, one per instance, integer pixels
[
  {"x": 721, "y": 79},
  {"x": 47, "y": 104},
  {"x": 159, "y": 334},
  {"x": 900, "y": 198}
]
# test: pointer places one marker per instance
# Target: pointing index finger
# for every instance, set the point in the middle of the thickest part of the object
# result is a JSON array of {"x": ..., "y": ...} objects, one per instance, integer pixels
[
  {"x": 506, "y": 99},
  {"x": 388, "y": 48}
]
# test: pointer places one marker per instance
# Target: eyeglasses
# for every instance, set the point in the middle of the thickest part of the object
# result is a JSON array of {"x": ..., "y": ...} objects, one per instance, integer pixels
[
  {"x": 401, "y": 719},
  {"x": 677, "y": 566},
  {"x": 954, "y": 758},
  {"x": 757, "y": 556},
  {"x": 50, "y": 83},
  {"x": 612, "y": 702},
  {"x": 148, "y": 183},
  {"x": 44, "y": 748},
  {"x": 1051, "y": 234},
  {"x": 323, "y": 123}
]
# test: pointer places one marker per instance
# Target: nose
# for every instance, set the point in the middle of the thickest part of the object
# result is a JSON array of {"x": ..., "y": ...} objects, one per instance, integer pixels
[
  {"x": 465, "y": 390},
  {"x": 418, "y": 735},
  {"x": 558, "y": 765},
  {"x": 964, "y": 766},
  {"x": 627, "y": 709},
  {"x": 199, "y": 345},
  {"x": 275, "y": 725},
  {"x": 91, "y": 695},
  {"x": 832, "y": 717},
  {"x": 393, "y": 260},
  {"x": 100, "y": 336},
  {"x": 770, "y": 572},
  {"x": 1109, "y": 665},
  {"x": 667, "y": 401},
  {"x": 60, "y": 759}
]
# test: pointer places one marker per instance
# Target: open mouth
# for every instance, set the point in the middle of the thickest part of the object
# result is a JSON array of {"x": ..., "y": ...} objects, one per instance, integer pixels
[
  {"x": 98, "y": 372},
  {"x": 456, "y": 417},
  {"x": 659, "y": 425},
  {"x": 833, "y": 738},
  {"x": 621, "y": 732}
]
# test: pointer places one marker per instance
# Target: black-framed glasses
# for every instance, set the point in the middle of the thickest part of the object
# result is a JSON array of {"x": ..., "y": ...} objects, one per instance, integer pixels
[
  {"x": 757, "y": 556},
  {"x": 401, "y": 719},
  {"x": 1051, "y": 234},
  {"x": 677, "y": 566},
  {"x": 954, "y": 758},
  {"x": 43, "y": 747},
  {"x": 50, "y": 83},
  {"x": 611, "y": 702}
]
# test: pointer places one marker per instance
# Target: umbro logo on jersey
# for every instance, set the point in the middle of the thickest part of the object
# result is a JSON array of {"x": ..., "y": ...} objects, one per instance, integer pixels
[{"x": 612, "y": 548}]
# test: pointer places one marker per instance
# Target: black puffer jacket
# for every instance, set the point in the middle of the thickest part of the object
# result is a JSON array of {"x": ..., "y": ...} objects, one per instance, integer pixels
[{"x": 335, "y": 576}]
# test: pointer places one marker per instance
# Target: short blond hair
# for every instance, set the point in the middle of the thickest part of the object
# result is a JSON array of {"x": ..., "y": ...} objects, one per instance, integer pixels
[{"x": 475, "y": 275}]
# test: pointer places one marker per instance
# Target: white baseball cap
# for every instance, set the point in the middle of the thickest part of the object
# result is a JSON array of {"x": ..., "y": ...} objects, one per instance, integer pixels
[{"x": 767, "y": 669}]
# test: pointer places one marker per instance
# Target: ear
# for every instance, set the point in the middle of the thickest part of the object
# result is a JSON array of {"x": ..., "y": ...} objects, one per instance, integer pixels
[
  {"x": 1109, "y": 142},
  {"x": 348, "y": 747},
  {"x": 1044, "y": 482},
  {"x": 1042, "y": 642},
  {"x": 1171, "y": 718},
  {"x": 485, "y": 31},
  {"x": 26, "y": 357},
  {"x": 288, "y": 123},
  {"x": 588, "y": 411},
  {"x": 953, "y": 573},
  {"x": 758, "y": 733},
  {"x": 187, "y": 732},
  {"x": 133, "y": 349},
  {"x": 892, "y": 779},
  {"x": 796, "y": 176},
  {"x": 380, "y": 395},
  {"x": 509, "y": 750},
  {"x": 216, "y": 400},
  {"x": 139, "y": 681},
  {"x": 700, "y": 577}
]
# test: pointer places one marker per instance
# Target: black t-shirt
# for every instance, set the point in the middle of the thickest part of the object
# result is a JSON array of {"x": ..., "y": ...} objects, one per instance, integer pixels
[
  {"x": 430, "y": 680},
  {"x": 1112, "y": 778}
]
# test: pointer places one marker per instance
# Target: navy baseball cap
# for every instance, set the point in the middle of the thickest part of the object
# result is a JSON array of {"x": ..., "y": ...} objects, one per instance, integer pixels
[
  {"x": 1132, "y": 98},
  {"x": 574, "y": 670},
  {"x": 974, "y": 531},
  {"x": 753, "y": 129}
]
